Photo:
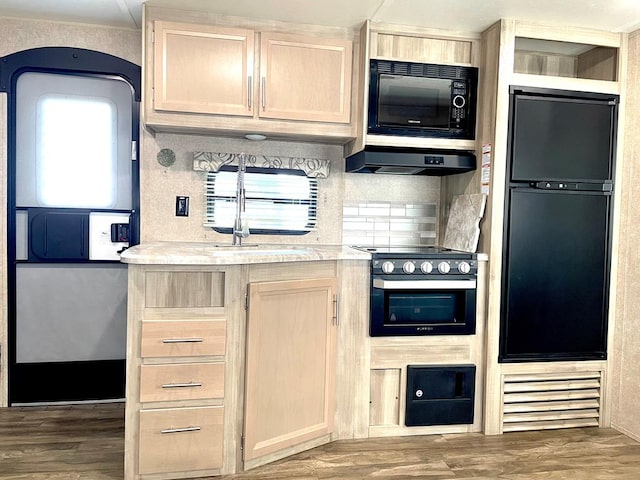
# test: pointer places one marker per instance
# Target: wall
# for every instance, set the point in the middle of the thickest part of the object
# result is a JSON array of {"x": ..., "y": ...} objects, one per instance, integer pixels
[
  {"x": 626, "y": 370},
  {"x": 17, "y": 35},
  {"x": 160, "y": 185}
]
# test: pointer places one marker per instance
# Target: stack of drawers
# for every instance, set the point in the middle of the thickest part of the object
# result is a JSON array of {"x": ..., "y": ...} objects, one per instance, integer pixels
[{"x": 181, "y": 392}]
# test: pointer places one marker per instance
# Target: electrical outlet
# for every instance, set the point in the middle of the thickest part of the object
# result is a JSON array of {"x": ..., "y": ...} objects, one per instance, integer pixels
[{"x": 182, "y": 206}]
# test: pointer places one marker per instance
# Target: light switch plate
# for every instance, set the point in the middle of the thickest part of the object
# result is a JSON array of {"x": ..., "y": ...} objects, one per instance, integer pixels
[{"x": 182, "y": 206}]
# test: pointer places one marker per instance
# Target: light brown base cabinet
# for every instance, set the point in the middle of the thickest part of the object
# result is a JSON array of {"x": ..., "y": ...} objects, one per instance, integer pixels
[
  {"x": 234, "y": 366},
  {"x": 176, "y": 372}
]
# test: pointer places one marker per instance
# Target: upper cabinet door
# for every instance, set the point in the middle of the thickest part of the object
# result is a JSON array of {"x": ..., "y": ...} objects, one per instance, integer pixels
[
  {"x": 304, "y": 78},
  {"x": 203, "y": 69}
]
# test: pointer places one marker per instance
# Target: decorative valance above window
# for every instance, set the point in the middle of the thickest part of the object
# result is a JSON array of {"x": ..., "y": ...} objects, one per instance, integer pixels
[{"x": 211, "y": 162}]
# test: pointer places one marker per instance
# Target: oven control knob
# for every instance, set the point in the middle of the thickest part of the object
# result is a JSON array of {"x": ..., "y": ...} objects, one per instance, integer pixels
[
  {"x": 464, "y": 267},
  {"x": 426, "y": 267},
  {"x": 444, "y": 267},
  {"x": 387, "y": 267},
  {"x": 409, "y": 267}
]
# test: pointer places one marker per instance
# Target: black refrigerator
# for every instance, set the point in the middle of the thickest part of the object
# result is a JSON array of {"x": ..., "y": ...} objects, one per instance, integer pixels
[{"x": 557, "y": 235}]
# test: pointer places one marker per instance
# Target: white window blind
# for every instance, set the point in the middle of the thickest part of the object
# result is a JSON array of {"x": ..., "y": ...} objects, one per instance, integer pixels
[{"x": 282, "y": 202}]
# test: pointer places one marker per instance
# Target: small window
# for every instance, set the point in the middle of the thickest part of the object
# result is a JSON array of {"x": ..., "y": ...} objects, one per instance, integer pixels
[
  {"x": 74, "y": 141},
  {"x": 71, "y": 132},
  {"x": 276, "y": 202}
]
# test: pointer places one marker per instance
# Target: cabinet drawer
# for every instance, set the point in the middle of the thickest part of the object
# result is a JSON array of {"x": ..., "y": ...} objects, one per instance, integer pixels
[
  {"x": 180, "y": 439},
  {"x": 193, "y": 381},
  {"x": 183, "y": 339}
]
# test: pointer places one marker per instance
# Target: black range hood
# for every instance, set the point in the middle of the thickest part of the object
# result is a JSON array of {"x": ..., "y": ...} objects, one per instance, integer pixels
[{"x": 410, "y": 161}]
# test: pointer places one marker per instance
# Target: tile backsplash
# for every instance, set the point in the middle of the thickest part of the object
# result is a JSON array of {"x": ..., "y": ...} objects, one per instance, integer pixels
[{"x": 386, "y": 224}]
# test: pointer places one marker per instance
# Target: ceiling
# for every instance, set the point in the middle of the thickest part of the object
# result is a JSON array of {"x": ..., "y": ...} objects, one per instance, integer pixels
[{"x": 464, "y": 16}]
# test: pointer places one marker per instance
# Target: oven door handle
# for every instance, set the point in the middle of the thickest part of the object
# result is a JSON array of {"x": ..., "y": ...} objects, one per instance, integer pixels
[{"x": 424, "y": 284}]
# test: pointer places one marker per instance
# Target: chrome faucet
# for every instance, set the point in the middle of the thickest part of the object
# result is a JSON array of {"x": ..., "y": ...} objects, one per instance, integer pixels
[{"x": 240, "y": 227}]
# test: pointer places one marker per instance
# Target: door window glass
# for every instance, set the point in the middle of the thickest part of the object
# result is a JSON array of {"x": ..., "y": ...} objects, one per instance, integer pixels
[
  {"x": 73, "y": 141},
  {"x": 70, "y": 132}
]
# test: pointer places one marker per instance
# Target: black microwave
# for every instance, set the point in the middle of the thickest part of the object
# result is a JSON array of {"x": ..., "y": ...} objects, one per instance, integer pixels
[{"x": 422, "y": 100}]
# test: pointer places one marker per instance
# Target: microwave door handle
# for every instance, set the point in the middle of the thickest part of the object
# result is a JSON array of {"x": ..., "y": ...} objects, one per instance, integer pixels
[{"x": 424, "y": 284}]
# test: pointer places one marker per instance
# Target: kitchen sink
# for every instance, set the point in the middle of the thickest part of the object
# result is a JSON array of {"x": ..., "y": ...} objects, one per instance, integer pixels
[{"x": 260, "y": 249}]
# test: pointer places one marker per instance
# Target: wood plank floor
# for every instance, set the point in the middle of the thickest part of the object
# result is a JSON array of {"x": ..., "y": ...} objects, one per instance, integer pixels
[
  {"x": 62, "y": 443},
  {"x": 86, "y": 443}
]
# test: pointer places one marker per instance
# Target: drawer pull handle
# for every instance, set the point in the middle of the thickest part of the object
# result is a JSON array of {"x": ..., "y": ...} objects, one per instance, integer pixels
[
  {"x": 182, "y": 340},
  {"x": 181, "y": 430},
  {"x": 181, "y": 385}
]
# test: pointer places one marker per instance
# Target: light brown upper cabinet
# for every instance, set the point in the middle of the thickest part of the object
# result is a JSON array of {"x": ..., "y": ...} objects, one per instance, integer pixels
[
  {"x": 304, "y": 78},
  {"x": 202, "y": 69},
  {"x": 234, "y": 72}
]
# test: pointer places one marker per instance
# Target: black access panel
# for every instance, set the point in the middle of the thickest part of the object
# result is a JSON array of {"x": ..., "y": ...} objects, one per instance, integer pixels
[
  {"x": 58, "y": 235},
  {"x": 440, "y": 395}
]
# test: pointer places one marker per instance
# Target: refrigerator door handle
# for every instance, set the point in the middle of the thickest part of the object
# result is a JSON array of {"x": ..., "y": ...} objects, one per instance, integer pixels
[{"x": 591, "y": 187}]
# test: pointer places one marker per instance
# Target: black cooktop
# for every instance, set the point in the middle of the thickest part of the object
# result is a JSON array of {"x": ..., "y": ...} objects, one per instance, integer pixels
[{"x": 417, "y": 251}]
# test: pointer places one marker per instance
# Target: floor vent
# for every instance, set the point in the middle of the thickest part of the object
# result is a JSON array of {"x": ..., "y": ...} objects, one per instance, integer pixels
[{"x": 547, "y": 401}]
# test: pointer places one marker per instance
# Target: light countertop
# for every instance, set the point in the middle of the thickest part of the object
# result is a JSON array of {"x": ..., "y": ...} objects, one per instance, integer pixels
[{"x": 208, "y": 253}]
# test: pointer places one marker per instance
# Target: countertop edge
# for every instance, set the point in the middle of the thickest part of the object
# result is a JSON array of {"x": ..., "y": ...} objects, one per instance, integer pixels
[{"x": 203, "y": 253}]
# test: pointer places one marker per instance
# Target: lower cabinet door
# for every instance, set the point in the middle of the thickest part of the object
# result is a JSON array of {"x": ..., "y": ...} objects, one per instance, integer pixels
[
  {"x": 180, "y": 440},
  {"x": 289, "y": 391}
]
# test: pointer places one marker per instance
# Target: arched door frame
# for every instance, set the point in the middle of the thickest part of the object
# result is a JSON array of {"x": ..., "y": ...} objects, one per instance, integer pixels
[{"x": 64, "y": 61}]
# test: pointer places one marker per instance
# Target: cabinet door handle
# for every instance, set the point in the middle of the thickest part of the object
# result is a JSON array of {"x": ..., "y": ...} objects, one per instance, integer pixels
[
  {"x": 180, "y": 430},
  {"x": 183, "y": 340},
  {"x": 182, "y": 385},
  {"x": 249, "y": 90},
  {"x": 264, "y": 93}
]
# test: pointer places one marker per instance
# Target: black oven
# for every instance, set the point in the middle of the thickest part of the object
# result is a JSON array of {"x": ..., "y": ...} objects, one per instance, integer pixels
[{"x": 423, "y": 291}]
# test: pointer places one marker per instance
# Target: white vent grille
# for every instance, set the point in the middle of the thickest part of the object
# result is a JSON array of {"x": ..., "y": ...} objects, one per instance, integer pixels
[
  {"x": 548, "y": 401},
  {"x": 275, "y": 202}
]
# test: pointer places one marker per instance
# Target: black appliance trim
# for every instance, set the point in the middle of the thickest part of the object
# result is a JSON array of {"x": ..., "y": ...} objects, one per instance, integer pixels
[
  {"x": 377, "y": 327},
  {"x": 68, "y": 381},
  {"x": 397, "y": 256},
  {"x": 426, "y": 70},
  {"x": 565, "y": 96},
  {"x": 411, "y": 161},
  {"x": 440, "y": 395},
  {"x": 603, "y": 187}
]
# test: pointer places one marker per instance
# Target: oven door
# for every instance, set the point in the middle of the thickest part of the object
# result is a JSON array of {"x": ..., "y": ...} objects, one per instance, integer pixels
[{"x": 422, "y": 307}]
